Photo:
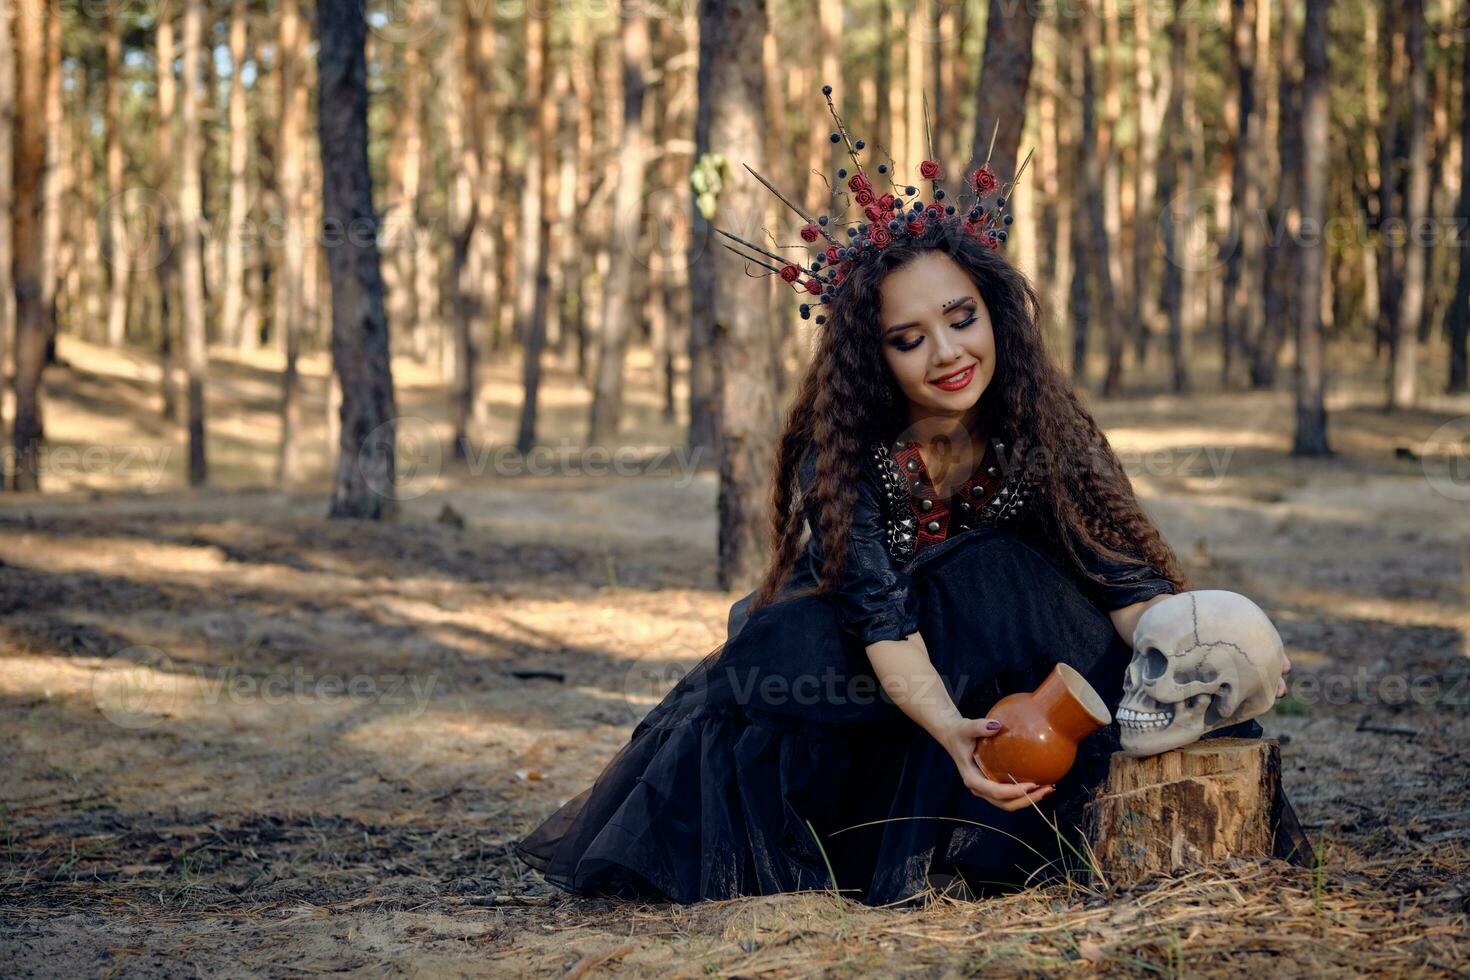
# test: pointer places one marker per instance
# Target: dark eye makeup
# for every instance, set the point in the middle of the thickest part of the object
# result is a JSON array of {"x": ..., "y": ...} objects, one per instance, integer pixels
[{"x": 910, "y": 345}]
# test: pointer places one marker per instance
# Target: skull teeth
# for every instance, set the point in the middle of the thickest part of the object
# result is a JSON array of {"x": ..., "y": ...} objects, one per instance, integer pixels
[{"x": 1144, "y": 719}]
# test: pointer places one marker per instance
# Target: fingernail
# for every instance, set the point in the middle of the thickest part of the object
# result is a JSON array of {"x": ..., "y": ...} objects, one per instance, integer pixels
[{"x": 992, "y": 726}]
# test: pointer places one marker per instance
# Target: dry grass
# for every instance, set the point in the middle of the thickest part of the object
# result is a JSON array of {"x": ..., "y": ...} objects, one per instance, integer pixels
[{"x": 192, "y": 785}]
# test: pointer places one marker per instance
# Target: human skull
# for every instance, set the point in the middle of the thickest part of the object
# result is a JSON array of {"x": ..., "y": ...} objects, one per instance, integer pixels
[{"x": 1201, "y": 661}]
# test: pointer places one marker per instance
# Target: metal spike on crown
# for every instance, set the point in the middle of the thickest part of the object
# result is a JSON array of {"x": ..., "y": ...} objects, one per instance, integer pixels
[{"x": 891, "y": 217}]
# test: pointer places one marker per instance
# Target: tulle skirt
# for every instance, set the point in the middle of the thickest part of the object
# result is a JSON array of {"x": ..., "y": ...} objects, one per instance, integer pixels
[{"x": 778, "y": 764}]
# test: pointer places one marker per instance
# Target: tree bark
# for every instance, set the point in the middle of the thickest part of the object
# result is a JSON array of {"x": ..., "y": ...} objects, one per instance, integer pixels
[
  {"x": 1005, "y": 76},
  {"x": 732, "y": 84},
  {"x": 1404, "y": 351},
  {"x": 364, "y": 484},
  {"x": 1311, "y": 370},
  {"x": 1148, "y": 103},
  {"x": 118, "y": 254},
  {"x": 191, "y": 224},
  {"x": 1099, "y": 246},
  {"x": 1281, "y": 274},
  {"x": 1458, "y": 323},
  {"x": 618, "y": 308},
  {"x": 462, "y": 129},
  {"x": 1242, "y": 286},
  {"x": 166, "y": 267},
  {"x": 1173, "y": 193},
  {"x": 233, "y": 309},
  {"x": 1194, "y": 807},
  {"x": 535, "y": 259},
  {"x": 290, "y": 305},
  {"x": 55, "y": 187},
  {"x": 32, "y": 317},
  {"x": 7, "y": 203}
]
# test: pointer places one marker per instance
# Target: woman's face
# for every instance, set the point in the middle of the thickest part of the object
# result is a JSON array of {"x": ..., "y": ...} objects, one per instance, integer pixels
[{"x": 936, "y": 336}]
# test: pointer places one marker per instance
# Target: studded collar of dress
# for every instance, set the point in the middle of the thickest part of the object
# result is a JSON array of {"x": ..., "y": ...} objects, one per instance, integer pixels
[{"x": 917, "y": 513}]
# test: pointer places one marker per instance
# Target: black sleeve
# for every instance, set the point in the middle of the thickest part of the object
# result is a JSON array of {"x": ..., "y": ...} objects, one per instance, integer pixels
[
  {"x": 873, "y": 600},
  {"x": 1124, "y": 582}
]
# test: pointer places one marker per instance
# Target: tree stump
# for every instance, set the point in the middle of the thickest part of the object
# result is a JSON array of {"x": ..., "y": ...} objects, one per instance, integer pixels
[{"x": 1191, "y": 808}]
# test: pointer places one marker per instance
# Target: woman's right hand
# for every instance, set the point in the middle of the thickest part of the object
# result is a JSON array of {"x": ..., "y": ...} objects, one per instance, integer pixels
[{"x": 959, "y": 739}]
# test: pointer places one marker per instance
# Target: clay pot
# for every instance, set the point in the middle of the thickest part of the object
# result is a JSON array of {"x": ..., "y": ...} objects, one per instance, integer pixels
[{"x": 1042, "y": 729}]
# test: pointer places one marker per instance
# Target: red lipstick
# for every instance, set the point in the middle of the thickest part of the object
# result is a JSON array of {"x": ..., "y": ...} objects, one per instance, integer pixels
[{"x": 957, "y": 380}]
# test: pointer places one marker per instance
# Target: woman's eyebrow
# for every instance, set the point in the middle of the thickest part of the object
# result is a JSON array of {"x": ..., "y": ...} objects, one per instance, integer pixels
[{"x": 943, "y": 310}]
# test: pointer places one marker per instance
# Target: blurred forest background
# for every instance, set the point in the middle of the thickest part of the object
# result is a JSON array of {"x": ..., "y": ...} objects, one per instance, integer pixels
[{"x": 1225, "y": 195}]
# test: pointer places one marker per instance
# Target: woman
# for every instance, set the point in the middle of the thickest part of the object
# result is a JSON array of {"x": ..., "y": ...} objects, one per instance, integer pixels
[{"x": 969, "y": 528}]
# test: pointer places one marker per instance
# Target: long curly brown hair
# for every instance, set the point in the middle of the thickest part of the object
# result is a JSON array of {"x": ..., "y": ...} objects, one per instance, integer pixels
[{"x": 848, "y": 400}]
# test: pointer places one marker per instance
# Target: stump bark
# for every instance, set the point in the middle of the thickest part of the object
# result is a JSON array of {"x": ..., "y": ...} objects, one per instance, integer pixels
[{"x": 1192, "y": 808}]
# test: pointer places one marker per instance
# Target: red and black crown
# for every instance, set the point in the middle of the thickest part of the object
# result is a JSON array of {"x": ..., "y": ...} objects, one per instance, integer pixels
[{"x": 889, "y": 217}]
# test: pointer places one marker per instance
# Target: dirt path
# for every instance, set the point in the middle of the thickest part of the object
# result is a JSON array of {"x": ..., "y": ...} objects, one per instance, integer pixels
[{"x": 240, "y": 739}]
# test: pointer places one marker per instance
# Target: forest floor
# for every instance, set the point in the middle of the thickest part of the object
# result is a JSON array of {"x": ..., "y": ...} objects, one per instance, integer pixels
[{"x": 237, "y": 738}]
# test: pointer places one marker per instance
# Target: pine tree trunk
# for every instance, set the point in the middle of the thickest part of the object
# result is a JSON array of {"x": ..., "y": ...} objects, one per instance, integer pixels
[
  {"x": 1458, "y": 324},
  {"x": 535, "y": 260},
  {"x": 7, "y": 203},
  {"x": 1281, "y": 274},
  {"x": 166, "y": 268},
  {"x": 618, "y": 308},
  {"x": 364, "y": 484},
  {"x": 32, "y": 327},
  {"x": 1149, "y": 101},
  {"x": 1175, "y": 222},
  {"x": 1390, "y": 251},
  {"x": 732, "y": 84},
  {"x": 485, "y": 246},
  {"x": 1311, "y": 369},
  {"x": 1079, "y": 305},
  {"x": 118, "y": 255},
  {"x": 703, "y": 398},
  {"x": 233, "y": 310},
  {"x": 1005, "y": 76},
  {"x": 1098, "y": 245},
  {"x": 463, "y": 141},
  {"x": 1404, "y": 352},
  {"x": 191, "y": 225},
  {"x": 53, "y": 210},
  {"x": 291, "y": 288},
  {"x": 1241, "y": 287}
]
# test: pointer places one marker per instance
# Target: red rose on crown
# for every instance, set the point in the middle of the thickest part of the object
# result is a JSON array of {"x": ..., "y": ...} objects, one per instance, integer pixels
[
  {"x": 859, "y": 182},
  {"x": 790, "y": 273},
  {"x": 809, "y": 232},
  {"x": 873, "y": 213},
  {"x": 983, "y": 180},
  {"x": 929, "y": 170},
  {"x": 879, "y": 236},
  {"x": 814, "y": 286},
  {"x": 886, "y": 202},
  {"x": 831, "y": 253},
  {"x": 916, "y": 226},
  {"x": 864, "y": 197}
]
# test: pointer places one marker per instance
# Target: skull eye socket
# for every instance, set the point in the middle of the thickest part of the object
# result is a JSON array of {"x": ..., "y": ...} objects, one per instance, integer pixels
[{"x": 1154, "y": 664}]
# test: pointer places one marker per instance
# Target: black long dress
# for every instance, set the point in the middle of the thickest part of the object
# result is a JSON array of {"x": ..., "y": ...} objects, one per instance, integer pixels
[{"x": 777, "y": 763}]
